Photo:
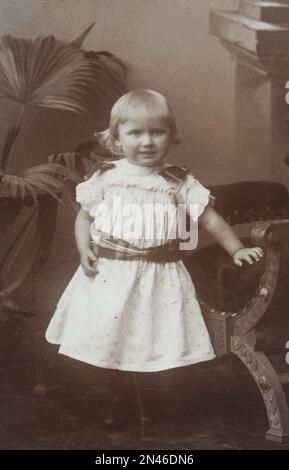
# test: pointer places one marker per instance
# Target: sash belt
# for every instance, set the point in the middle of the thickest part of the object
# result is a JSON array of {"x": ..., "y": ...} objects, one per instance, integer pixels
[{"x": 114, "y": 248}]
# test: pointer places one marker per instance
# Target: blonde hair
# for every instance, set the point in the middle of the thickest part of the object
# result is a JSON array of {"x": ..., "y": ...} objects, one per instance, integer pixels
[{"x": 135, "y": 104}]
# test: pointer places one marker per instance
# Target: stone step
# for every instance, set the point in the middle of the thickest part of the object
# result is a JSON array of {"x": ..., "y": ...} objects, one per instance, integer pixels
[
  {"x": 252, "y": 35},
  {"x": 269, "y": 12}
]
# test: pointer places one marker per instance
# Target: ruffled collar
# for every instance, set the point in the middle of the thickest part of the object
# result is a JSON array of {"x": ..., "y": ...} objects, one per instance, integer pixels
[{"x": 131, "y": 169}]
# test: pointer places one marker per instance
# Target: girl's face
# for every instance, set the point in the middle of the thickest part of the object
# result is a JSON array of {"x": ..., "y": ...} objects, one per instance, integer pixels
[{"x": 144, "y": 142}]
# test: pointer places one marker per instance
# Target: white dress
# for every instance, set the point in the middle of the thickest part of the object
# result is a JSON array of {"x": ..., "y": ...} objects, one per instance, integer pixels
[{"x": 134, "y": 315}]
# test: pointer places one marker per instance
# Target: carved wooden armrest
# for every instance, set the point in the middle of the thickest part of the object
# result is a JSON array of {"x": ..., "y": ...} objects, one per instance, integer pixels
[
  {"x": 272, "y": 236},
  {"x": 256, "y": 329}
]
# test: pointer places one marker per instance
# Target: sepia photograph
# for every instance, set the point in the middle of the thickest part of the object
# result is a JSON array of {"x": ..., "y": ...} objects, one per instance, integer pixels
[{"x": 144, "y": 227}]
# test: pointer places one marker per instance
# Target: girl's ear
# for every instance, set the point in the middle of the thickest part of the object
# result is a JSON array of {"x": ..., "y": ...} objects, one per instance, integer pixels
[{"x": 117, "y": 147}]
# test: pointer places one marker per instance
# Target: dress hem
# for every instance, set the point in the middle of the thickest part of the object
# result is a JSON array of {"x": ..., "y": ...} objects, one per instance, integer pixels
[{"x": 135, "y": 368}]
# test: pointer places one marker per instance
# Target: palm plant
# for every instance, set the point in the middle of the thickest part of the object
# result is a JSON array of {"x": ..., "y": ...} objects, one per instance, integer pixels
[
  {"x": 43, "y": 72},
  {"x": 49, "y": 73}
]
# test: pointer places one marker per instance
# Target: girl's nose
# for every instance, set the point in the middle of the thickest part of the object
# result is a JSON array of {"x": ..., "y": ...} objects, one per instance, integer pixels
[{"x": 147, "y": 139}]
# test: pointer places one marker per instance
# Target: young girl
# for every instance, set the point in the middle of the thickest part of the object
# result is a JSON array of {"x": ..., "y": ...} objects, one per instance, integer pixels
[{"x": 131, "y": 305}]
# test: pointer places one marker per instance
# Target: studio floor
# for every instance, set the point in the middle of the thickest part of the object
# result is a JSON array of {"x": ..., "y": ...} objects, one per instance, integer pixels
[
  {"x": 219, "y": 409},
  {"x": 214, "y": 405}
]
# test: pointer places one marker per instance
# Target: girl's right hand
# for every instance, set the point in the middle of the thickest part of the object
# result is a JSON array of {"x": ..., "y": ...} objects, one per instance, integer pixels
[
  {"x": 248, "y": 254},
  {"x": 88, "y": 262}
]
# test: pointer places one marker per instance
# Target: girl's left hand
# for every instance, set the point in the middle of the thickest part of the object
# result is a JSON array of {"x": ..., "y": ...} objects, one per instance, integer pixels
[{"x": 248, "y": 254}]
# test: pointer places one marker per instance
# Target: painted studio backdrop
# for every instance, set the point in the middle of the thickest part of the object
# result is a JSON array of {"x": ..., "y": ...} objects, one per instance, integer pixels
[{"x": 224, "y": 67}]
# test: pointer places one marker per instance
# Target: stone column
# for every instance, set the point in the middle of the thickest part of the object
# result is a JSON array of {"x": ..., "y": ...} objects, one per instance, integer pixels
[{"x": 257, "y": 37}]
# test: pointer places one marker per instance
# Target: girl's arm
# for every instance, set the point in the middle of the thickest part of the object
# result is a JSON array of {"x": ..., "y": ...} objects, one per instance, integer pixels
[
  {"x": 82, "y": 235},
  {"x": 211, "y": 221}
]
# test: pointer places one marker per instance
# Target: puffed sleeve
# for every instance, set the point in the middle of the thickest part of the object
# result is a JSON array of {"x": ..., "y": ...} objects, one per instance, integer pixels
[
  {"x": 195, "y": 196},
  {"x": 89, "y": 193}
]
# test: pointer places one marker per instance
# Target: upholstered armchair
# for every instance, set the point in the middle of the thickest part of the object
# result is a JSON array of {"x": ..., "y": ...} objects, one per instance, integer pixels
[{"x": 246, "y": 309}]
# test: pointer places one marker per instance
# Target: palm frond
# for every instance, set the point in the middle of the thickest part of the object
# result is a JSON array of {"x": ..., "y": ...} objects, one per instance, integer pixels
[
  {"x": 8, "y": 144},
  {"x": 39, "y": 185},
  {"x": 23, "y": 188},
  {"x": 46, "y": 72},
  {"x": 46, "y": 177},
  {"x": 18, "y": 186},
  {"x": 77, "y": 43},
  {"x": 53, "y": 169},
  {"x": 49, "y": 73},
  {"x": 85, "y": 160},
  {"x": 47, "y": 180}
]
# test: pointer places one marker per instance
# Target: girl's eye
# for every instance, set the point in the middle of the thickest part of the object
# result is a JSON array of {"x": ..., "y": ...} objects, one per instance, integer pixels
[
  {"x": 136, "y": 133},
  {"x": 159, "y": 131}
]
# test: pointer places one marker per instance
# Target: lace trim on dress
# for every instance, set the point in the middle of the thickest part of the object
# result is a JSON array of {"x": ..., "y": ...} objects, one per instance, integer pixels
[{"x": 145, "y": 186}]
